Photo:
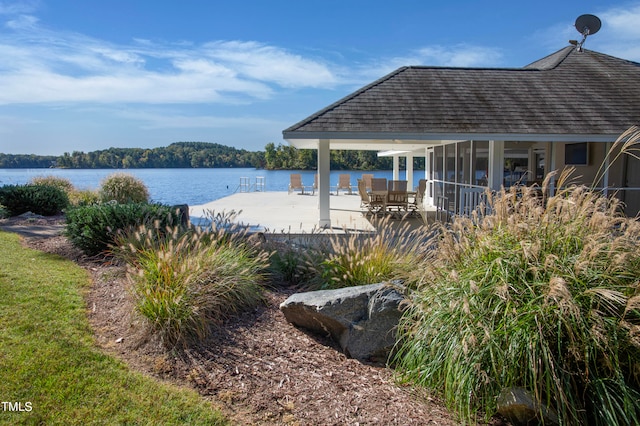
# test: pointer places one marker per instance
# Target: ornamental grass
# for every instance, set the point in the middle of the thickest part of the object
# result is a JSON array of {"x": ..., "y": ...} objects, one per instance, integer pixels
[
  {"x": 186, "y": 283},
  {"x": 352, "y": 259},
  {"x": 542, "y": 293}
]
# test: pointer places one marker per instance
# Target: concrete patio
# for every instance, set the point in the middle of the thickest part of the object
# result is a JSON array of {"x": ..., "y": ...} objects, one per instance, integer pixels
[{"x": 281, "y": 212}]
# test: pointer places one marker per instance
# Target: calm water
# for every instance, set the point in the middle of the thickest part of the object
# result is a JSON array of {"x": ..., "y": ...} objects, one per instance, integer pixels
[{"x": 185, "y": 186}]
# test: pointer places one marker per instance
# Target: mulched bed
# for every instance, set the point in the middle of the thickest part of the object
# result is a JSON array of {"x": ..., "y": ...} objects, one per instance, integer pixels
[{"x": 257, "y": 368}]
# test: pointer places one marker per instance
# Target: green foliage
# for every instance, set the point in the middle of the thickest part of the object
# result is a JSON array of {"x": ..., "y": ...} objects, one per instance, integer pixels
[
  {"x": 44, "y": 200},
  {"x": 204, "y": 154},
  {"x": 84, "y": 197},
  {"x": 185, "y": 283},
  {"x": 92, "y": 228},
  {"x": 123, "y": 188},
  {"x": 540, "y": 296},
  {"x": 348, "y": 260},
  {"x": 49, "y": 356},
  {"x": 26, "y": 161},
  {"x": 285, "y": 157},
  {"x": 176, "y": 155}
]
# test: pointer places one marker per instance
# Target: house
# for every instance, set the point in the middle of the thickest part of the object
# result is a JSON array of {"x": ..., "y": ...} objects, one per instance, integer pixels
[{"x": 490, "y": 127}]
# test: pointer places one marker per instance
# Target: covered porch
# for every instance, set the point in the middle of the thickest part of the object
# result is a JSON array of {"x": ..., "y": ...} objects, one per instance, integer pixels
[{"x": 485, "y": 128}]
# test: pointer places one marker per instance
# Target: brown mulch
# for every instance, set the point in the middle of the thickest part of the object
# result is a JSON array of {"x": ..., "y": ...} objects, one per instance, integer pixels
[{"x": 258, "y": 369}]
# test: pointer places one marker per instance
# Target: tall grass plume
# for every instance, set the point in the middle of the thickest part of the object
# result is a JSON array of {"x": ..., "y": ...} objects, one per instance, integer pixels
[
  {"x": 184, "y": 283},
  {"x": 540, "y": 293}
]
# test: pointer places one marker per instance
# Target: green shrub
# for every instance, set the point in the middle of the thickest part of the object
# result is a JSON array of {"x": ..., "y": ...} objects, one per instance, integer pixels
[
  {"x": 186, "y": 282},
  {"x": 123, "y": 188},
  {"x": 93, "y": 228},
  {"x": 44, "y": 200},
  {"x": 542, "y": 297}
]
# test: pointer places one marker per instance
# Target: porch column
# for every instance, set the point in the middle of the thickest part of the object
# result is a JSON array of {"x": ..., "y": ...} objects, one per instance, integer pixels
[
  {"x": 324, "y": 171},
  {"x": 409, "y": 168},
  {"x": 396, "y": 167},
  {"x": 428, "y": 167},
  {"x": 496, "y": 165}
]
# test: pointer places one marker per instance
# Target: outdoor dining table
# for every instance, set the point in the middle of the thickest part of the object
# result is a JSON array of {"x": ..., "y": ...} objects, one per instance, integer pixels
[{"x": 380, "y": 198}]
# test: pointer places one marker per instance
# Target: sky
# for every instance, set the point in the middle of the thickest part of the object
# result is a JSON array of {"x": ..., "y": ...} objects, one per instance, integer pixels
[{"x": 93, "y": 74}]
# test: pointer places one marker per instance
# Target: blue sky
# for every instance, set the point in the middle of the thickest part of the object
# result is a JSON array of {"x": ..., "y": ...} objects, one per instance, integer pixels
[{"x": 93, "y": 74}]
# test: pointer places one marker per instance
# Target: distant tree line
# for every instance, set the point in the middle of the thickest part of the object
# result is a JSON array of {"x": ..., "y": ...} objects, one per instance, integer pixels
[
  {"x": 176, "y": 155},
  {"x": 203, "y": 155},
  {"x": 28, "y": 161}
]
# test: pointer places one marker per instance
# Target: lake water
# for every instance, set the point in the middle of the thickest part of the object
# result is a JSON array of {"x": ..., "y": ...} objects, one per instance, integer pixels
[{"x": 186, "y": 186}]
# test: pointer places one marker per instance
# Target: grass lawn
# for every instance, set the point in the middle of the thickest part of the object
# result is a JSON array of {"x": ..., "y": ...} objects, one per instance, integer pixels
[{"x": 49, "y": 367}]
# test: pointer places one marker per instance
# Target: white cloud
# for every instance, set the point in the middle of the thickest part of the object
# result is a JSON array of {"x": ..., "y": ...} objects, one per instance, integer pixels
[
  {"x": 622, "y": 23},
  {"x": 269, "y": 63},
  {"x": 58, "y": 67},
  {"x": 171, "y": 120},
  {"x": 462, "y": 55},
  {"x": 620, "y": 33}
]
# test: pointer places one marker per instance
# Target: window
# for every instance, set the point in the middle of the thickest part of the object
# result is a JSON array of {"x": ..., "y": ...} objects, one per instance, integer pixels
[{"x": 576, "y": 154}]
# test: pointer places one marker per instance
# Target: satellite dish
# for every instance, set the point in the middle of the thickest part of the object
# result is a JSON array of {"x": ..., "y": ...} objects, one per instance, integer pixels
[{"x": 587, "y": 25}]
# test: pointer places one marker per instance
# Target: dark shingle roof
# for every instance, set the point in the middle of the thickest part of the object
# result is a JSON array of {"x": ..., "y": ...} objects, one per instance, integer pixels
[{"x": 567, "y": 92}]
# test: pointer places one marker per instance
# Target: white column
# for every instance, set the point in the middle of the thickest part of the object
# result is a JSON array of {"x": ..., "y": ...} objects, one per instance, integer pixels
[
  {"x": 409, "y": 174},
  {"x": 396, "y": 167},
  {"x": 607, "y": 160},
  {"x": 496, "y": 164},
  {"x": 550, "y": 165},
  {"x": 427, "y": 164},
  {"x": 324, "y": 171}
]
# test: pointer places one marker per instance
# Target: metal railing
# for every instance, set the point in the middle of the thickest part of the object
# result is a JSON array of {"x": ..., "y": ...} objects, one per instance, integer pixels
[
  {"x": 246, "y": 186},
  {"x": 447, "y": 195}
]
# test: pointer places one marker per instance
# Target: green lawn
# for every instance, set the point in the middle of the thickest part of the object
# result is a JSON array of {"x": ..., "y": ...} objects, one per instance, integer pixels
[{"x": 49, "y": 366}]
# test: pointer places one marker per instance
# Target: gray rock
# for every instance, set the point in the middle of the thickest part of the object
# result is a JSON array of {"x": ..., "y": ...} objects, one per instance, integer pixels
[{"x": 362, "y": 319}]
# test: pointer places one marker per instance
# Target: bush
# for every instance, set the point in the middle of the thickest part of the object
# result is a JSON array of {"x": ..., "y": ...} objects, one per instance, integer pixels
[
  {"x": 44, "y": 200},
  {"x": 542, "y": 297},
  {"x": 186, "y": 282},
  {"x": 358, "y": 259},
  {"x": 59, "y": 182},
  {"x": 84, "y": 197},
  {"x": 93, "y": 228},
  {"x": 123, "y": 188}
]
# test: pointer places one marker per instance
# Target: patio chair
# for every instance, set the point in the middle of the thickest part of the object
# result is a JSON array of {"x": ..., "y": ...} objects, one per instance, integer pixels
[
  {"x": 365, "y": 200},
  {"x": 397, "y": 196},
  {"x": 366, "y": 177},
  {"x": 315, "y": 184},
  {"x": 344, "y": 183},
  {"x": 416, "y": 203},
  {"x": 295, "y": 183},
  {"x": 378, "y": 193}
]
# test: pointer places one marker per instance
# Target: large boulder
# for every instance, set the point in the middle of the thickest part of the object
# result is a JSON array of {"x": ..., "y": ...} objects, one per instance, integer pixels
[{"x": 362, "y": 319}]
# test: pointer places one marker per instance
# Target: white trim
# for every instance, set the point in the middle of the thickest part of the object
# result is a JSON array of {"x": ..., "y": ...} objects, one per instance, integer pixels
[{"x": 436, "y": 138}]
